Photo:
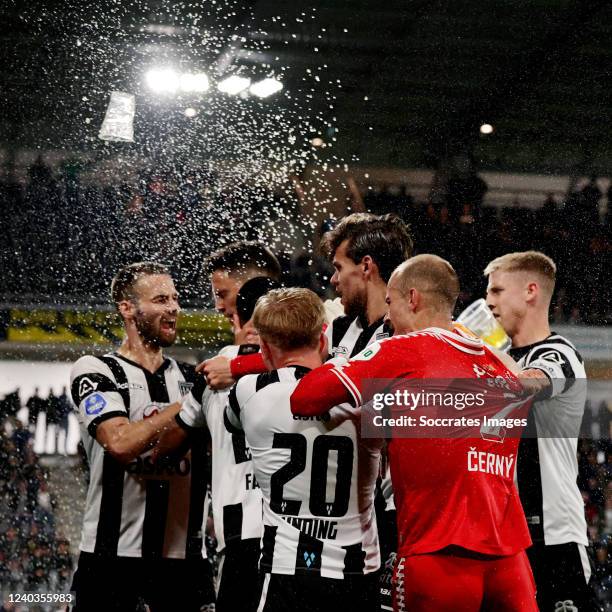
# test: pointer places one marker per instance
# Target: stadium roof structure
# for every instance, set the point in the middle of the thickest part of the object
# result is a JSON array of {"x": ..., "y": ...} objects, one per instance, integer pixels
[{"x": 413, "y": 80}]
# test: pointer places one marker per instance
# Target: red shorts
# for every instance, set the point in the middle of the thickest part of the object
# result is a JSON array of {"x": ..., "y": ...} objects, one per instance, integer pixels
[{"x": 444, "y": 581}]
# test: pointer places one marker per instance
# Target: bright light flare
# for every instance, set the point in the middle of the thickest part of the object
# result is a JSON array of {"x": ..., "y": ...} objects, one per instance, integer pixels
[
  {"x": 190, "y": 112},
  {"x": 233, "y": 85},
  {"x": 486, "y": 128},
  {"x": 194, "y": 82},
  {"x": 265, "y": 88},
  {"x": 162, "y": 80}
]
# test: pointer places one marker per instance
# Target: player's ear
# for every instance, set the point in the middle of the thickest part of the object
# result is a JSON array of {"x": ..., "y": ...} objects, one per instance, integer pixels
[
  {"x": 414, "y": 299},
  {"x": 532, "y": 291},
  {"x": 368, "y": 266},
  {"x": 323, "y": 348},
  {"x": 126, "y": 309},
  {"x": 266, "y": 353}
]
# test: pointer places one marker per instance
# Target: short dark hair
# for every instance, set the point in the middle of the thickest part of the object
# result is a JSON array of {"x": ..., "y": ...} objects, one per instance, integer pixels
[
  {"x": 122, "y": 287},
  {"x": 385, "y": 238},
  {"x": 244, "y": 256}
]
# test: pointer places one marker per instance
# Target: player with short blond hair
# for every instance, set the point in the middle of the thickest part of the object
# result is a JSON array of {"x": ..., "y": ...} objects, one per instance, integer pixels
[{"x": 519, "y": 292}]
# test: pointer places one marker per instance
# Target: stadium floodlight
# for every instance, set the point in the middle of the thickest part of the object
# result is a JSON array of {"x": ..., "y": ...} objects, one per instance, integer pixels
[
  {"x": 486, "y": 128},
  {"x": 162, "y": 80},
  {"x": 194, "y": 82},
  {"x": 265, "y": 88},
  {"x": 234, "y": 84}
]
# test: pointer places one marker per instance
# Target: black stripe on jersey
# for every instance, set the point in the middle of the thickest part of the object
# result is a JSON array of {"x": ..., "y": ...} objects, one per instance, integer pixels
[
  {"x": 154, "y": 523},
  {"x": 233, "y": 402},
  {"x": 123, "y": 386},
  {"x": 86, "y": 384},
  {"x": 265, "y": 379},
  {"x": 354, "y": 560},
  {"x": 340, "y": 326},
  {"x": 93, "y": 426},
  {"x": 242, "y": 453},
  {"x": 529, "y": 479},
  {"x": 199, "y": 479},
  {"x": 308, "y": 557},
  {"x": 156, "y": 382},
  {"x": 301, "y": 371},
  {"x": 199, "y": 386},
  {"x": 232, "y": 522},
  {"x": 188, "y": 371},
  {"x": 267, "y": 547},
  {"x": 109, "y": 521},
  {"x": 365, "y": 337},
  {"x": 230, "y": 427},
  {"x": 566, "y": 366}
]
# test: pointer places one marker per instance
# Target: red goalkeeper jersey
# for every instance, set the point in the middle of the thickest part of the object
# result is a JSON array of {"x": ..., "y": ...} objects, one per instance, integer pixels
[{"x": 448, "y": 491}]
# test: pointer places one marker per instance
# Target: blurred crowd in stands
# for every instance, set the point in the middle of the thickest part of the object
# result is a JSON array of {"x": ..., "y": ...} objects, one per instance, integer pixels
[
  {"x": 62, "y": 241},
  {"x": 595, "y": 482},
  {"x": 33, "y": 554}
]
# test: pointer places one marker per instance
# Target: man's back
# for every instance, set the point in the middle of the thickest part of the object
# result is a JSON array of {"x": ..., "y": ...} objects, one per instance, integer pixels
[{"x": 316, "y": 480}]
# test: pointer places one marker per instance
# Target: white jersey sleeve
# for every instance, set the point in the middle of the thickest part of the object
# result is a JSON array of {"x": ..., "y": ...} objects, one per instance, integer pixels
[{"x": 95, "y": 393}]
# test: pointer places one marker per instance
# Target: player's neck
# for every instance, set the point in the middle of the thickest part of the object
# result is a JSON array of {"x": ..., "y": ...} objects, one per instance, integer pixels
[
  {"x": 137, "y": 350},
  {"x": 307, "y": 359},
  {"x": 534, "y": 328},
  {"x": 377, "y": 306}
]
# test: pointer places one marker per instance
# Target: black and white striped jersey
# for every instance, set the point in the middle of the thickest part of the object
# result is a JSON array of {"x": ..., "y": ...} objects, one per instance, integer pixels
[
  {"x": 547, "y": 467},
  {"x": 141, "y": 509},
  {"x": 316, "y": 478},
  {"x": 346, "y": 338},
  {"x": 236, "y": 496}
]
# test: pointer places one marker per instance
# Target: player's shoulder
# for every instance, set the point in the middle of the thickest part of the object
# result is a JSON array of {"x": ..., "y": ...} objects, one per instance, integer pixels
[
  {"x": 91, "y": 364},
  {"x": 188, "y": 370}
]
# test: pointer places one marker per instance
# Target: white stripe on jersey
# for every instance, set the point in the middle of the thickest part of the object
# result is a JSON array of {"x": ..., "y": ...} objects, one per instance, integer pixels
[
  {"x": 141, "y": 509},
  {"x": 557, "y": 508},
  {"x": 316, "y": 479},
  {"x": 235, "y": 493}
]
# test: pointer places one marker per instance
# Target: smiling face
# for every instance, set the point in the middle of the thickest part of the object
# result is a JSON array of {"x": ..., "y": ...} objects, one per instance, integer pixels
[
  {"x": 155, "y": 309},
  {"x": 507, "y": 297},
  {"x": 225, "y": 291},
  {"x": 349, "y": 282}
]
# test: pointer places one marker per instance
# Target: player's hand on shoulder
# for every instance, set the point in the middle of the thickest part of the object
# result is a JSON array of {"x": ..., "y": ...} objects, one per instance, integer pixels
[{"x": 217, "y": 372}]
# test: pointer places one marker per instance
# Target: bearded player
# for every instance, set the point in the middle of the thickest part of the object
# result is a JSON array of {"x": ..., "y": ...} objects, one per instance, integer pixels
[{"x": 142, "y": 526}]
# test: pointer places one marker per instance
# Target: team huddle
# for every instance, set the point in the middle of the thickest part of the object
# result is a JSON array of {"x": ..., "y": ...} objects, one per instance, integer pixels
[{"x": 309, "y": 513}]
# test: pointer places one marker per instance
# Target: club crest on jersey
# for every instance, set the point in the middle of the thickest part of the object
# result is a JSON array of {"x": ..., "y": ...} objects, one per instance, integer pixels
[
  {"x": 86, "y": 386},
  {"x": 94, "y": 404},
  {"x": 185, "y": 387}
]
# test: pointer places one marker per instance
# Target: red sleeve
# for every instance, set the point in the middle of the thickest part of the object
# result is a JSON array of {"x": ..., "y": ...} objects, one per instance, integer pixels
[
  {"x": 317, "y": 392},
  {"x": 247, "y": 364}
]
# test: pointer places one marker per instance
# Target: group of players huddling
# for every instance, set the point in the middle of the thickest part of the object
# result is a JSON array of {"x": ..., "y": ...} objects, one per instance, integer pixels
[{"x": 310, "y": 515}]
